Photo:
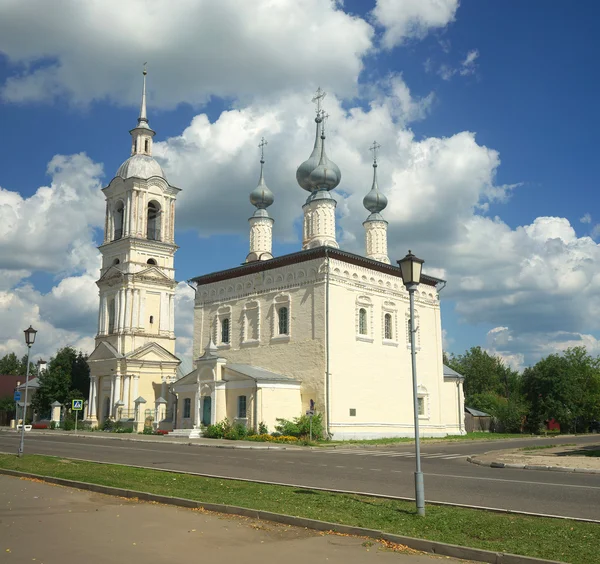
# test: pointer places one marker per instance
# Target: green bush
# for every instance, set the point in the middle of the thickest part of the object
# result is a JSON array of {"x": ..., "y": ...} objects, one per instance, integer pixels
[
  {"x": 68, "y": 424},
  {"x": 53, "y": 425},
  {"x": 300, "y": 427},
  {"x": 236, "y": 432},
  {"x": 262, "y": 429},
  {"x": 108, "y": 424},
  {"x": 148, "y": 430},
  {"x": 218, "y": 430}
]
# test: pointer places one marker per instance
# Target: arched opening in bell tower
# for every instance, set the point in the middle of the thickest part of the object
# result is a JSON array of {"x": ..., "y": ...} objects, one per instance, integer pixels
[
  {"x": 118, "y": 220},
  {"x": 153, "y": 229}
]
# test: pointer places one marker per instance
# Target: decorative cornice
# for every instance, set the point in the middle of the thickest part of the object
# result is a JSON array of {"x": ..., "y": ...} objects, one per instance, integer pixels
[{"x": 303, "y": 256}]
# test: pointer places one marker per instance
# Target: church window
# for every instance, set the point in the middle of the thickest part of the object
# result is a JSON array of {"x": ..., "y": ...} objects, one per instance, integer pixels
[
  {"x": 146, "y": 145},
  {"x": 118, "y": 220},
  {"x": 362, "y": 321},
  {"x": 151, "y": 319},
  {"x": 283, "y": 319},
  {"x": 150, "y": 261},
  {"x": 187, "y": 408},
  {"x": 388, "y": 326},
  {"x": 242, "y": 413},
  {"x": 153, "y": 229},
  {"x": 421, "y": 405},
  {"x": 225, "y": 330},
  {"x": 111, "y": 315},
  {"x": 115, "y": 262}
]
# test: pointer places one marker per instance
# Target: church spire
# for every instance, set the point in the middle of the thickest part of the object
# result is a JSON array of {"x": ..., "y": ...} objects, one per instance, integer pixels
[
  {"x": 142, "y": 134},
  {"x": 261, "y": 225},
  {"x": 143, "y": 119},
  {"x": 375, "y": 226}
]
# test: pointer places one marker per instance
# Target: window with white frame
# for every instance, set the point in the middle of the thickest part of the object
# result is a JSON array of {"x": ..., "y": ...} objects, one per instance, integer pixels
[
  {"x": 281, "y": 318},
  {"x": 251, "y": 321},
  {"x": 421, "y": 405},
  {"x": 422, "y": 402},
  {"x": 387, "y": 326},
  {"x": 364, "y": 321},
  {"x": 222, "y": 327},
  {"x": 242, "y": 413}
]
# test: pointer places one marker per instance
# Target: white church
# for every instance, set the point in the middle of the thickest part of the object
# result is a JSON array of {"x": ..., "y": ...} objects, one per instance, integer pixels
[{"x": 322, "y": 327}]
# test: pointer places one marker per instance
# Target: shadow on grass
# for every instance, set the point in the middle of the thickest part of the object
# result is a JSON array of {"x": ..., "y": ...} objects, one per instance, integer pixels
[{"x": 590, "y": 450}]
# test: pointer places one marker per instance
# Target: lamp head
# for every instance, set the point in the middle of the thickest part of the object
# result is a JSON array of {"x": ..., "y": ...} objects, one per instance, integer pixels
[
  {"x": 411, "y": 267},
  {"x": 30, "y": 336}
]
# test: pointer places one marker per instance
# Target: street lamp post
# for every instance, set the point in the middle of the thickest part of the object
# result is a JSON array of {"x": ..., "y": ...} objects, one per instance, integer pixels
[
  {"x": 29, "y": 340},
  {"x": 411, "y": 267}
]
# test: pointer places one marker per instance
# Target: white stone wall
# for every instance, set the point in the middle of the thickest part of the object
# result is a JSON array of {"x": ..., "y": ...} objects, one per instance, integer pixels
[
  {"x": 376, "y": 240},
  {"x": 319, "y": 224},
  {"x": 261, "y": 235}
]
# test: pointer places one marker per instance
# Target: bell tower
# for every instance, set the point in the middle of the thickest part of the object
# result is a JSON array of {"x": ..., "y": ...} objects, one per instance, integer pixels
[{"x": 135, "y": 343}]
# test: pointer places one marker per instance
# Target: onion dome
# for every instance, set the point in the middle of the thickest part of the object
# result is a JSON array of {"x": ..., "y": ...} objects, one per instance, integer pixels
[
  {"x": 326, "y": 176},
  {"x": 375, "y": 201},
  {"x": 261, "y": 197}
]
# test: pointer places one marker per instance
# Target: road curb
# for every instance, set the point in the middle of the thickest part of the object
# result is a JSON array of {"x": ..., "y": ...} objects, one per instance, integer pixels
[
  {"x": 496, "y": 464},
  {"x": 424, "y": 545}
]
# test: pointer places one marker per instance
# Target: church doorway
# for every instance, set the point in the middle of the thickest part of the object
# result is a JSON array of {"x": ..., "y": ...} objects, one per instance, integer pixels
[
  {"x": 106, "y": 407},
  {"x": 206, "y": 410}
]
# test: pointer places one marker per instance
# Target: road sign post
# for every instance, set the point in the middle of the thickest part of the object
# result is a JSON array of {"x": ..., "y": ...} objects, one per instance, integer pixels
[{"x": 77, "y": 406}]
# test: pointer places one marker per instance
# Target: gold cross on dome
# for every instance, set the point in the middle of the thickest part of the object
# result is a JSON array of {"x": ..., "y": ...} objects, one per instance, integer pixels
[
  {"x": 374, "y": 147},
  {"x": 318, "y": 98}
]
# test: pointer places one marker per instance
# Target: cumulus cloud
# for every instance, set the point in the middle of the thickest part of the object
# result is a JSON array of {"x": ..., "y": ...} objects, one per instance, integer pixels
[
  {"x": 229, "y": 49},
  {"x": 586, "y": 218},
  {"x": 412, "y": 19}
]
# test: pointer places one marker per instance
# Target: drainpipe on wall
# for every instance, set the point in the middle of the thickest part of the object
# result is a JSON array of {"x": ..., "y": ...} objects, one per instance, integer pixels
[
  {"x": 255, "y": 406},
  {"x": 327, "y": 394},
  {"x": 458, "y": 400}
]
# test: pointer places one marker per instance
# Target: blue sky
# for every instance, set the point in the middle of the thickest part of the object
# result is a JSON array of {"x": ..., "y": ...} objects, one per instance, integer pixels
[{"x": 486, "y": 111}]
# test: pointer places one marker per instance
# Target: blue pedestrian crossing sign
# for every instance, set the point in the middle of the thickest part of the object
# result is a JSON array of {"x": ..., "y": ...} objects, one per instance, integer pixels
[
  {"x": 17, "y": 396},
  {"x": 77, "y": 405}
]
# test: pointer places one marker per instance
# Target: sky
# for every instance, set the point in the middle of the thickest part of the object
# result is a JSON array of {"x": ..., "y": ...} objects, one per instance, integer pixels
[{"x": 486, "y": 113}]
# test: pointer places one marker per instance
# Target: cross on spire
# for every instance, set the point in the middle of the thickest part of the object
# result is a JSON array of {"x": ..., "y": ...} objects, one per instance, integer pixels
[
  {"x": 261, "y": 145},
  {"x": 374, "y": 147},
  {"x": 318, "y": 98}
]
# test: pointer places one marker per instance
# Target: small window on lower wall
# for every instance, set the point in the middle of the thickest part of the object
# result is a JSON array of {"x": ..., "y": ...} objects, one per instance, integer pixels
[
  {"x": 241, "y": 407},
  {"x": 352, "y": 412},
  {"x": 421, "y": 405},
  {"x": 187, "y": 408}
]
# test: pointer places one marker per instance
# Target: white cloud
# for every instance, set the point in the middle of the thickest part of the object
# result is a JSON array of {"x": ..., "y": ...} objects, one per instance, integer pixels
[
  {"x": 586, "y": 218},
  {"x": 469, "y": 65},
  {"x": 184, "y": 320},
  {"x": 412, "y": 18},
  {"x": 52, "y": 230},
  {"x": 93, "y": 50}
]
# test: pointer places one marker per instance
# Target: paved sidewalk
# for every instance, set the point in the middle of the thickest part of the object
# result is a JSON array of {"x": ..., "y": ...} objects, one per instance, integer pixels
[{"x": 50, "y": 524}]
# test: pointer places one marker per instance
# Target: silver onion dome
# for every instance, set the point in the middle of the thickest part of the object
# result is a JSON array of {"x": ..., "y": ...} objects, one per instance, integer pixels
[
  {"x": 140, "y": 166},
  {"x": 261, "y": 197},
  {"x": 305, "y": 169},
  {"x": 326, "y": 176},
  {"x": 375, "y": 201}
]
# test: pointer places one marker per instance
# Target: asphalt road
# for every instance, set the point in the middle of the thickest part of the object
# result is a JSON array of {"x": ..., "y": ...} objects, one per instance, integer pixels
[{"x": 448, "y": 476}]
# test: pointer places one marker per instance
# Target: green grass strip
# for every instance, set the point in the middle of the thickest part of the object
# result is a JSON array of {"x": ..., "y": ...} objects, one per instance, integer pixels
[
  {"x": 450, "y": 439},
  {"x": 554, "y": 539}
]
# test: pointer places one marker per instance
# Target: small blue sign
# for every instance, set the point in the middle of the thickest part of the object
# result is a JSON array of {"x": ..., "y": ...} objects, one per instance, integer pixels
[
  {"x": 77, "y": 405},
  {"x": 17, "y": 396}
]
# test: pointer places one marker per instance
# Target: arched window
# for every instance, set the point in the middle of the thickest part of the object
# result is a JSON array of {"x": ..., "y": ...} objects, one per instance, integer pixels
[
  {"x": 387, "y": 322},
  {"x": 284, "y": 325},
  {"x": 153, "y": 230},
  {"x": 146, "y": 145},
  {"x": 225, "y": 330},
  {"x": 115, "y": 262},
  {"x": 362, "y": 321},
  {"x": 150, "y": 261},
  {"x": 111, "y": 315},
  {"x": 118, "y": 220}
]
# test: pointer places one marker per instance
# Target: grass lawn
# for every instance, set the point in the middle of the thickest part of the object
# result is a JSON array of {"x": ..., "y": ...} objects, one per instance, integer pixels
[
  {"x": 449, "y": 438},
  {"x": 541, "y": 447},
  {"x": 554, "y": 539}
]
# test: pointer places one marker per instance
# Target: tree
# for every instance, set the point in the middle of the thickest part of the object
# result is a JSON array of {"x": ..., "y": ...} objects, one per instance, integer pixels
[
  {"x": 566, "y": 388},
  {"x": 9, "y": 364},
  {"x": 484, "y": 374},
  {"x": 67, "y": 376}
]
